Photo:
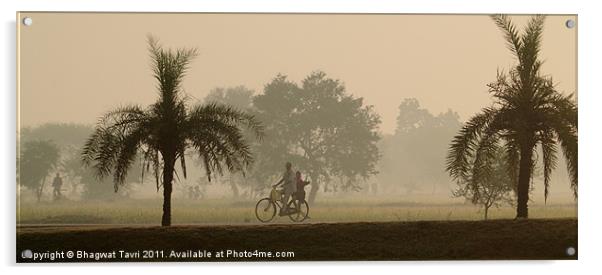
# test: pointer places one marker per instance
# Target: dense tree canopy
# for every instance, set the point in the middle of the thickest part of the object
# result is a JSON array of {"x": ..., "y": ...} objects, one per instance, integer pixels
[
  {"x": 326, "y": 133},
  {"x": 64, "y": 135},
  {"x": 239, "y": 97},
  {"x": 38, "y": 158},
  {"x": 414, "y": 156}
]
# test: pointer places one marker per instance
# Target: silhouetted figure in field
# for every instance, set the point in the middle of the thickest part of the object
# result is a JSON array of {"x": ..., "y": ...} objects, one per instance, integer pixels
[
  {"x": 194, "y": 192},
  {"x": 57, "y": 183},
  {"x": 191, "y": 193},
  {"x": 300, "y": 194},
  {"x": 289, "y": 186},
  {"x": 197, "y": 192}
]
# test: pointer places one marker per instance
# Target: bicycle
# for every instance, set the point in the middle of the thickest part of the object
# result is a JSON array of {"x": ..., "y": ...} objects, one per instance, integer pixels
[{"x": 265, "y": 209}]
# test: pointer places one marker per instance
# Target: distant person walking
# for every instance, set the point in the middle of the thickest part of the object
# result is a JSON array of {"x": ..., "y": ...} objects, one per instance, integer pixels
[
  {"x": 289, "y": 185},
  {"x": 57, "y": 183}
]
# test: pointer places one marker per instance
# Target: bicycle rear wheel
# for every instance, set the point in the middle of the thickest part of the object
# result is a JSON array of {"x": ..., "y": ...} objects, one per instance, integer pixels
[
  {"x": 265, "y": 210},
  {"x": 298, "y": 210}
]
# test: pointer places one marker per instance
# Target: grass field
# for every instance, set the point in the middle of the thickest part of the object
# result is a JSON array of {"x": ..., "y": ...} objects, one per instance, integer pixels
[
  {"x": 424, "y": 240},
  {"x": 339, "y": 229},
  {"x": 225, "y": 211}
]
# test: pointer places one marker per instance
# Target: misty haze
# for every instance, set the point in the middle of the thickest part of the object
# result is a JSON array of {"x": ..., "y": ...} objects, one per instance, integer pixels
[{"x": 255, "y": 119}]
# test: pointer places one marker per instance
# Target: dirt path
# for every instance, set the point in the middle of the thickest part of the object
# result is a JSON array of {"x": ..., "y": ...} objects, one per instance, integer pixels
[{"x": 428, "y": 240}]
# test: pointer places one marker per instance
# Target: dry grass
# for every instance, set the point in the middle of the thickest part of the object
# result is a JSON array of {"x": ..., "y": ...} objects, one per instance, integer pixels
[{"x": 225, "y": 211}]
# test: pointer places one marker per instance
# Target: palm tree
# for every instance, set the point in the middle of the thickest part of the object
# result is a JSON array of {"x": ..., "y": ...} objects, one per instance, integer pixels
[
  {"x": 164, "y": 131},
  {"x": 527, "y": 113}
]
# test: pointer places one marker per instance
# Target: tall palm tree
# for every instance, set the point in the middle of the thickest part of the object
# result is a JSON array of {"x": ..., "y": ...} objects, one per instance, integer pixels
[
  {"x": 162, "y": 132},
  {"x": 527, "y": 113}
]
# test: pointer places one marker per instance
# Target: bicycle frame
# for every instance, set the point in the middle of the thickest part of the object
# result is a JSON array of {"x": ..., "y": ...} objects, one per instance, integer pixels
[
  {"x": 278, "y": 202},
  {"x": 275, "y": 198}
]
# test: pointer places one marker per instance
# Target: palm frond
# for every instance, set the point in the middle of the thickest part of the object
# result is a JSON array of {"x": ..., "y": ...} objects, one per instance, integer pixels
[
  {"x": 485, "y": 156},
  {"x": 463, "y": 145},
  {"x": 548, "y": 146},
  {"x": 512, "y": 156},
  {"x": 567, "y": 137},
  {"x": 157, "y": 168},
  {"x": 565, "y": 108},
  {"x": 221, "y": 142},
  {"x": 531, "y": 40},
  {"x": 113, "y": 145},
  {"x": 169, "y": 68},
  {"x": 511, "y": 35},
  {"x": 226, "y": 114},
  {"x": 214, "y": 132},
  {"x": 182, "y": 157},
  {"x": 130, "y": 144}
]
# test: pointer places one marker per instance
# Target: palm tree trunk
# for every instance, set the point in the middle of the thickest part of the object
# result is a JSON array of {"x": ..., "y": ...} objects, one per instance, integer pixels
[
  {"x": 168, "y": 170},
  {"x": 524, "y": 179}
]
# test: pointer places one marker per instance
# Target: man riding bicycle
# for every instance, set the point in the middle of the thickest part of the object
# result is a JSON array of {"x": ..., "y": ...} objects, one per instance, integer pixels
[
  {"x": 289, "y": 186},
  {"x": 265, "y": 209}
]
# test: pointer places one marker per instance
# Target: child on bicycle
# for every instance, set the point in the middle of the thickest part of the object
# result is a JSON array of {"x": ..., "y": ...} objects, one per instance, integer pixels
[{"x": 300, "y": 194}]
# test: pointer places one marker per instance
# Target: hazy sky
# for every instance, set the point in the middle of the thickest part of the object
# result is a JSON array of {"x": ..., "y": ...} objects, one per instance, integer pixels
[{"x": 75, "y": 67}]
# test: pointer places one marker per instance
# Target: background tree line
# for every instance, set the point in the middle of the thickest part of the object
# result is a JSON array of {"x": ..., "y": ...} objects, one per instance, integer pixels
[
  {"x": 332, "y": 137},
  {"x": 56, "y": 147},
  {"x": 414, "y": 156}
]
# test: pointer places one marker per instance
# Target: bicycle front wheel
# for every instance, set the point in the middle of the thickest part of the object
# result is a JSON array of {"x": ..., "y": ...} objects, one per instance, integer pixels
[
  {"x": 298, "y": 210},
  {"x": 265, "y": 210}
]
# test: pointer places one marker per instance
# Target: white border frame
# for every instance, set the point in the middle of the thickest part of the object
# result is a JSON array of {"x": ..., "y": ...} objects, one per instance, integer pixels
[{"x": 589, "y": 23}]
